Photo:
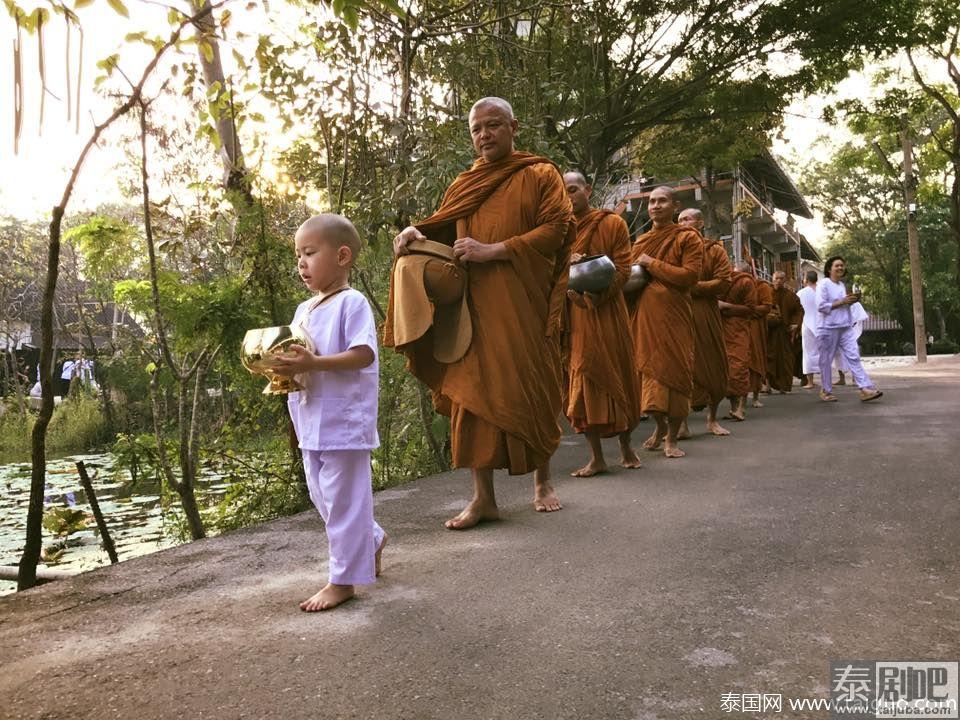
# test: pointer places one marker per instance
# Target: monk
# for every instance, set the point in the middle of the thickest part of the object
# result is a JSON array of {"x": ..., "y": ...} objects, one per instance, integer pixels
[
  {"x": 663, "y": 320},
  {"x": 736, "y": 309},
  {"x": 758, "y": 340},
  {"x": 709, "y": 353},
  {"x": 602, "y": 400},
  {"x": 783, "y": 325},
  {"x": 511, "y": 225},
  {"x": 797, "y": 343}
]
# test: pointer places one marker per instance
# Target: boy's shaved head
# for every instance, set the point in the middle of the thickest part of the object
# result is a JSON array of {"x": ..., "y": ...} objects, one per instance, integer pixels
[{"x": 333, "y": 229}]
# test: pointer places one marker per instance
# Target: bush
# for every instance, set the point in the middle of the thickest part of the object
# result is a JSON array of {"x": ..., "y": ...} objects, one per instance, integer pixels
[
  {"x": 943, "y": 347},
  {"x": 263, "y": 484},
  {"x": 77, "y": 426},
  {"x": 15, "y": 434}
]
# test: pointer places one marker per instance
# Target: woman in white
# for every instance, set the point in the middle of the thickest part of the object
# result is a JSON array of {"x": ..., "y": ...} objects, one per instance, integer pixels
[{"x": 835, "y": 331}]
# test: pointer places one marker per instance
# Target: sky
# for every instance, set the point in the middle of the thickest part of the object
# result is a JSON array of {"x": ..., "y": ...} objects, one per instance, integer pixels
[{"x": 34, "y": 178}]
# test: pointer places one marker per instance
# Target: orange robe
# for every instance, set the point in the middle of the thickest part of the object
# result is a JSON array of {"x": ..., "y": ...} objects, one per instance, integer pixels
[
  {"x": 780, "y": 340},
  {"x": 737, "y": 320},
  {"x": 662, "y": 320},
  {"x": 601, "y": 390},
  {"x": 504, "y": 396},
  {"x": 710, "y": 353},
  {"x": 758, "y": 334}
]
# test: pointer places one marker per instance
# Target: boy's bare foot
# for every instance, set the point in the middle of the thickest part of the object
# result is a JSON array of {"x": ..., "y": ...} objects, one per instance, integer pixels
[
  {"x": 684, "y": 433},
  {"x": 377, "y": 556},
  {"x": 327, "y": 598},
  {"x": 757, "y": 404},
  {"x": 545, "y": 498},
  {"x": 472, "y": 515},
  {"x": 672, "y": 450},
  {"x": 630, "y": 460},
  {"x": 716, "y": 429},
  {"x": 653, "y": 442},
  {"x": 590, "y": 469},
  {"x": 811, "y": 386}
]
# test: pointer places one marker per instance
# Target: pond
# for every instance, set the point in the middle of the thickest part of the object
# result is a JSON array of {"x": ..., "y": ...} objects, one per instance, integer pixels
[{"x": 138, "y": 522}]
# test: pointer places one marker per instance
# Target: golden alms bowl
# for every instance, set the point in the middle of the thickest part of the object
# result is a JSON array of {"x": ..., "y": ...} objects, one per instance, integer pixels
[{"x": 261, "y": 349}]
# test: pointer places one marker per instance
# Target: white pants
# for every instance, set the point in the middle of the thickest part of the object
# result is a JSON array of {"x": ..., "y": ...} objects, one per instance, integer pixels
[
  {"x": 843, "y": 340},
  {"x": 839, "y": 361},
  {"x": 340, "y": 486},
  {"x": 811, "y": 352}
]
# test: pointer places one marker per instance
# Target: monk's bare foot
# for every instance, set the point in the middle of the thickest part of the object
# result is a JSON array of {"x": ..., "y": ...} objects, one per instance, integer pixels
[
  {"x": 653, "y": 442},
  {"x": 672, "y": 450},
  {"x": 377, "y": 557},
  {"x": 735, "y": 415},
  {"x": 545, "y": 498},
  {"x": 472, "y": 515},
  {"x": 328, "y": 598},
  {"x": 629, "y": 459},
  {"x": 716, "y": 429},
  {"x": 757, "y": 404},
  {"x": 684, "y": 433},
  {"x": 592, "y": 468}
]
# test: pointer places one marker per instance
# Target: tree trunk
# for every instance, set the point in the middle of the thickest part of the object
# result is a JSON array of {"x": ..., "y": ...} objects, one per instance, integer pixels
[
  {"x": 234, "y": 173},
  {"x": 38, "y": 456},
  {"x": 708, "y": 184}
]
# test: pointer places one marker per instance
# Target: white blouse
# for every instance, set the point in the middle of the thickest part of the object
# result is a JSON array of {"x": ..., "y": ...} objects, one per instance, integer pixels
[
  {"x": 339, "y": 408},
  {"x": 828, "y": 292}
]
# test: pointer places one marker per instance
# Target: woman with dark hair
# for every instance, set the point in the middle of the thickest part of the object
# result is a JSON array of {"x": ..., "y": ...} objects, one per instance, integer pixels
[{"x": 836, "y": 332}]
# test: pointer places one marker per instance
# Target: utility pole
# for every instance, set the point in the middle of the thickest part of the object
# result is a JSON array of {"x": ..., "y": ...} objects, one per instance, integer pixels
[{"x": 913, "y": 240}]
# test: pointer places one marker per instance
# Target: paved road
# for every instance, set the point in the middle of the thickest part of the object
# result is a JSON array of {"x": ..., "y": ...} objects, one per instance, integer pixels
[{"x": 815, "y": 533}]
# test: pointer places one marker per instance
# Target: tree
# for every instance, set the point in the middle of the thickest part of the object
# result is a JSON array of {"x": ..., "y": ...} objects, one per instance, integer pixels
[
  {"x": 862, "y": 205},
  {"x": 939, "y": 44},
  {"x": 32, "y": 546}
]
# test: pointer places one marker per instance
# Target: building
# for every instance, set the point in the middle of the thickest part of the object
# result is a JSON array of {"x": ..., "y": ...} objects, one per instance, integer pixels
[
  {"x": 751, "y": 207},
  {"x": 81, "y": 324}
]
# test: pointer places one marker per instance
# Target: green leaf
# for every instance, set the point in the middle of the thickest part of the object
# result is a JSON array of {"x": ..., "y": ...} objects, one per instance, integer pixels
[
  {"x": 119, "y": 7},
  {"x": 82, "y": 4},
  {"x": 392, "y": 5},
  {"x": 225, "y": 19},
  {"x": 350, "y": 17},
  {"x": 206, "y": 49},
  {"x": 151, "y": 368}
]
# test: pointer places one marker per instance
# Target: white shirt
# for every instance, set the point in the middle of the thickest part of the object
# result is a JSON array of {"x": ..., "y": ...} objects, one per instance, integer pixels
[
  {"x": 808, "y": 299},
  {"x": 339, "y": 410},
  {"x": 67, "y": 371},
  {"x": 828, "y": 292}
]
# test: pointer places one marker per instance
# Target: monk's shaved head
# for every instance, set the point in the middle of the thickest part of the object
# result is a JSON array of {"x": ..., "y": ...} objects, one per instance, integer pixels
[
  {"x": 575, "y": 176},
  {"x": 691, "y": 213},
  {"x": 494, "y": 102},
  {"x": 333, "y": 229},
  {"x": 661, "y": 205},
  {"x": 744, "y": 266},
  {"x": 780, "y": 273},
  {"x": 578, "y": 190}
]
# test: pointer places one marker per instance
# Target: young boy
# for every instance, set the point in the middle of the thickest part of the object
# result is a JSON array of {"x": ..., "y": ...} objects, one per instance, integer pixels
[{"x": 335, "y": 416}]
